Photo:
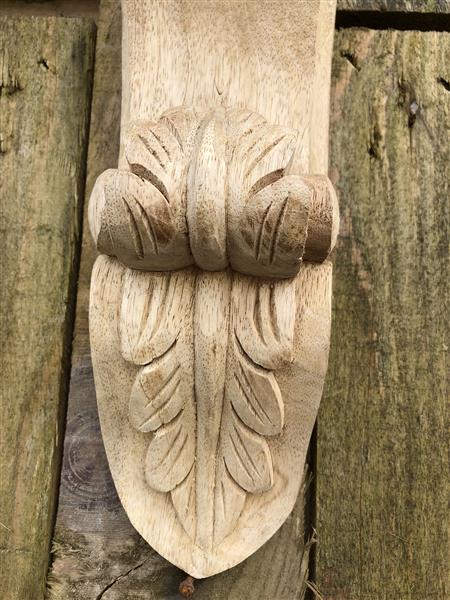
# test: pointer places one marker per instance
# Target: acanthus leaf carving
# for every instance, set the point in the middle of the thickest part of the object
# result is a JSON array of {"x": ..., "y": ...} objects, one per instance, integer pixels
[
  {"x": 209, "y": 427},
  {"x": 212, "y": 228}
]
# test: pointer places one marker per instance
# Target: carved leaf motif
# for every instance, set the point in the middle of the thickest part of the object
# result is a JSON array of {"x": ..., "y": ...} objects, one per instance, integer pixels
[
  {"x": 273, "y": 225},
  {"x": 255, "y": 395},
  {"x": 228, "y": 503},
  {"x": 183, "y": 498},
  {"x": 247, "y": 457},
  {"x": 155, "y": 308},
  {"x": 264, "y": 317},
  {"x": 253, "y": 404},
  {"x": 157, "y": 394},
  {"x": 171, "y": 453},
  {"x": 154, "y": 153},
  {"x": 154, "y": 330},
  {"x": 213, "y": 188},
  {"x": 207, "y": 443}
]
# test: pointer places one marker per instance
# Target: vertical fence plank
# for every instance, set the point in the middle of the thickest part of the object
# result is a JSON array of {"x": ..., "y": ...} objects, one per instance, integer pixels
[
  {"x": 382, "y": 461},
  {"x": 45, "y": 77}
]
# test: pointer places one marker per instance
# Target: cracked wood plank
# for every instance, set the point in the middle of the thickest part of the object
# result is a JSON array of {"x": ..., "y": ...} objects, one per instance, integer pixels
[
  {"x": 382, "y": 464},
  {"x": 45, "y": 82}
]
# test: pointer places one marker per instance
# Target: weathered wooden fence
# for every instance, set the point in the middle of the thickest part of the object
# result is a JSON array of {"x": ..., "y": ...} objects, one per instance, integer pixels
[{"x": 378, "y": 482}]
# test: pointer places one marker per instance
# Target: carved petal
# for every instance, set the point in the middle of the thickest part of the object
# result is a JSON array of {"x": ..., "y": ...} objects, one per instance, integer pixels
[
  {"x": 131, "y": 219},
  {"x": 228, "y": 504},
  {"x": 183, "y": 498},
  {"x": 154, "y": 309},
  {"x": 255, "y": 395},
  {"x": 157, "y": 394},
  {"x": 267, "y": 208},
  {"x": 183, "y": 123},
  {"x": 264, "y": 317},
  {"x": 247, "y": 457},
  {"x": 154, "y": 153},
  {"x": 171, "y": 453},
  {"x": 155, "y": 327},
  {"x": 272, "y": 230},
  {"x": 261, "y": 151}
]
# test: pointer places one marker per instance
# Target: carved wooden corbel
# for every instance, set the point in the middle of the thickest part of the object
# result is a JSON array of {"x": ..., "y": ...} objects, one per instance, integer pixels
[{"x": 210, "y": 302}]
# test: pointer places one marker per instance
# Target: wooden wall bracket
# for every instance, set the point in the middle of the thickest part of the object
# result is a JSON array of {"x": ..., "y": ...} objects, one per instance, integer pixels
[{"x": 210, "y": 302}]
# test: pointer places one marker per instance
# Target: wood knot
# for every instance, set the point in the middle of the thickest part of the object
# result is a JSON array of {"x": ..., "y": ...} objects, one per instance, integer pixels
[{"x": 186, "y": 587}]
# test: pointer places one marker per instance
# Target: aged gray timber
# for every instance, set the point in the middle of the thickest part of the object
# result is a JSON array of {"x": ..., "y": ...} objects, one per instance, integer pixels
[
  {"x": 45, "y": 80},
  {"x": 382, "y": 465}
]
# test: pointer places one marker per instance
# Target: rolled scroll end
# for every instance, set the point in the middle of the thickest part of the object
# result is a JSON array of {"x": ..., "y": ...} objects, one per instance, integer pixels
[
  {"x": 323, "y": 223},
  {"x": 213, "y": 189},
  {"x": 96, "y": 207}
]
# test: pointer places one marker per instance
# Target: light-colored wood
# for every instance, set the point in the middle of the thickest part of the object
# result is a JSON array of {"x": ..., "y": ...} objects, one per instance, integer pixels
[
  {"x": 382, "y": 463},
  {"x": 45, "y": 82},
  {"x": 208, "y": 383},
  {"x": 96, "y": 551}
]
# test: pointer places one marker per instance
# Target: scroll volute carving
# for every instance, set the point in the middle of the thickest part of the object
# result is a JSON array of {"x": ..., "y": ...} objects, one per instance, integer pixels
[
  {"x": 200, "y": 313},
  {"x": 213, "y": 190}
]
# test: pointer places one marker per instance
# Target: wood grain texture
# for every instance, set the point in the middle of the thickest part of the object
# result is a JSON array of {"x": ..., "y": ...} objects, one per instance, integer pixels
[
  {"x": 45, "y": 82},
  {"x": 419, "y": 6},
  {"x": 208, "y": 449},
  {"x": 382, "y": 465},
  {"x": 50, "y": 8},
  {"x": 97, "y": 552},
  {"x": 254, "y": 58}
]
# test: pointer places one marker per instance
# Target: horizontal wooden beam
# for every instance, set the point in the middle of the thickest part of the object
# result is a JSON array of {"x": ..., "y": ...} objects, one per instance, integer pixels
[{"x": 420, "y": 6}]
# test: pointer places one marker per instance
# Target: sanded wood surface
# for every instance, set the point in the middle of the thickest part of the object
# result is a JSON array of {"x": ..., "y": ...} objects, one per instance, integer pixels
[
  {"x": 206, "y": 489},
  {"x": 45, "y": 82},
  {"x": 382, "y": 465}
]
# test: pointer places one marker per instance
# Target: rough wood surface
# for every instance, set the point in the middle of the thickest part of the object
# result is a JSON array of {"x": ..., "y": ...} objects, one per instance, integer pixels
[
  {"x": 45, "y": 82},
  {"x": 69, "y": 8},
  {"x": 420, "y": 6},
  {"x": 382, "y": 464}
]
